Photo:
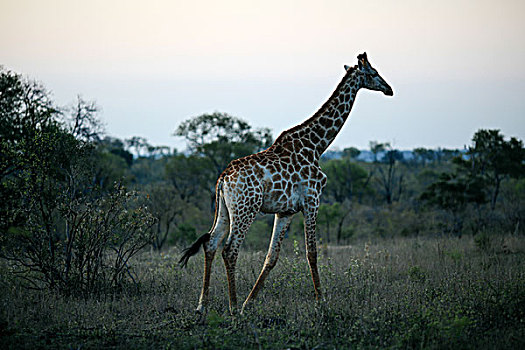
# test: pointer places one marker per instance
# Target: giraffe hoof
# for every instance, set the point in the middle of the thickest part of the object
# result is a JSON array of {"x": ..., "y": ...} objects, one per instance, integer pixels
[
  {"x": 233, "y": 311},
  {"x": 201, "y": 310},
  {"x": 245, "y": 306}
]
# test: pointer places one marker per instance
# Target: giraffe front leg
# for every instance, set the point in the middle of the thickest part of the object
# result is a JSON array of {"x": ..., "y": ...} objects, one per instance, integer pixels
[
  {"x": 280, "y": 226},
  {"x": 310, "y": 217}
]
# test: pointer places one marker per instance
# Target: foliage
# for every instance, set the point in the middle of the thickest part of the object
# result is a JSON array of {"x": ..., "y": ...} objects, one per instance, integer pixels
[
  {"x": 345, "y": 180},
  {"x": 477, "y": 178},
  {"x": 423, "y": 155},
  {"x": 83, "y": 122},
  {"x": 453, "y": 192},
  {"x": 221, "y": 138},
  {"x": 142, "y": 148},
  {"x": 60, "y": 221},
  {"x": 331, "y": 219},
  {"x": 389, "y": 181},
  {"x": 165, "y": 206},
  {"x": 351, "y": 153},
  {"x": 116, "y": 147},
  {"x": 495, "y": 159},
  {"x": 92, "y": 252},
  {"x": 189, "y": 175}
]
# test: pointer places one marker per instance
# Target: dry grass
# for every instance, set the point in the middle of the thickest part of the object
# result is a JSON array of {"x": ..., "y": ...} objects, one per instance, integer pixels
[{"x": 402, "y": 293}]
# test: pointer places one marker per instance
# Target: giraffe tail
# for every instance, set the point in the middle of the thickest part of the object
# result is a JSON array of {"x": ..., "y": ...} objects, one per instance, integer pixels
[{"x": 194, "y": 248}]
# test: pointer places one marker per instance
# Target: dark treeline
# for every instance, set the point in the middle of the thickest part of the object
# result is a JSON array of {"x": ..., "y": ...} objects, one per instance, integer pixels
[{"x": 78, "y": 204}]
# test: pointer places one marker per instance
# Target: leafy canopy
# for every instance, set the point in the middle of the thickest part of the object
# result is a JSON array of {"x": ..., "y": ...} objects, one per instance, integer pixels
[{"x": 221, "y": 138}]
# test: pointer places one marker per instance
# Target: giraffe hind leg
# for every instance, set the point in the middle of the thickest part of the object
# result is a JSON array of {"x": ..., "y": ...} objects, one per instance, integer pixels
[
  {"x": 238, "y": 228},
  {"x": 210, "y": 247}
]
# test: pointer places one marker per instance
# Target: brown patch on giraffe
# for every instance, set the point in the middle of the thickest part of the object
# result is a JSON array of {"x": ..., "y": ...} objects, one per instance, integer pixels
[
  {"x": 305, "y": 172},
  {"x": 272, "y": 168},
  {"x": 310, "y": 157},
  {"x": 288, "y": 188},
  {"x": 308, "y": 144},
  {"x": 329, "y": 123},
  {"x": 285, "y": 159},
  {"x": 276, "y": 195},
  {"x": 288, "y": 145},
  {"x": 315, "y": 138},
  {"x": 331, "y": 133}
]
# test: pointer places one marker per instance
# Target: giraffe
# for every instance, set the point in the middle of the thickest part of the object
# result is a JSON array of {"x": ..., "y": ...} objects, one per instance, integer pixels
[{"x": 283, "y": 180}]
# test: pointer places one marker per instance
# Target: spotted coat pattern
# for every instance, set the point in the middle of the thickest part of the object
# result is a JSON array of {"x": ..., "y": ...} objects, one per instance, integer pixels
[{"x": 282, "y": 180}]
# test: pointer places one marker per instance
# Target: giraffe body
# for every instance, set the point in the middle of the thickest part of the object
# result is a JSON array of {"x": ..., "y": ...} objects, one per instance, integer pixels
[{"x": 283, "y": 180}]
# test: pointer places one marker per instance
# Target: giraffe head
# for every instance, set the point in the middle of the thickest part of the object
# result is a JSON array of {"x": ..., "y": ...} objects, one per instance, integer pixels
[{"x": 370, "y": 78}]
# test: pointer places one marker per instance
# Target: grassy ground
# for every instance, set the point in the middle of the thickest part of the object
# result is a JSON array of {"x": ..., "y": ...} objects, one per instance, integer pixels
[{"x": 403, "y": 293}]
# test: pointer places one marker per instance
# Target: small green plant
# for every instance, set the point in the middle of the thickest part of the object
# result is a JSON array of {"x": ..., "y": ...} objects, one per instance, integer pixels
[
  {"x": 416, "y": 273},
  {"x": 483, "y": 241},
  {"x": 296, "y": 250},
  {"x": 455, "y": 254}
]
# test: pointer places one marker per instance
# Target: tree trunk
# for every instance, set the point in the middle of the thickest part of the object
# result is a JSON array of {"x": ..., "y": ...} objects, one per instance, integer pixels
[{"x": 495, "y": 193}]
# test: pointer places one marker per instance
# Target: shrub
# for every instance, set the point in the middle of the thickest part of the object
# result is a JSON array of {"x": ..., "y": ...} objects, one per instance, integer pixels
[{"x": 91, "y": 253}]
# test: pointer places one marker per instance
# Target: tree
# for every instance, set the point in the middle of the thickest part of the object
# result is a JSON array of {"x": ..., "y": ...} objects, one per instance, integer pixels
[
  {"x": 29, "y": 131},
  {"x": 83, "y": 122},
  {"x": 165, "y": 206},
  {"x": 138, "y": 145},
  {"x": 332, "y": 217},
  {"x": 390, "y": 182},
  {"x": 351, "y": 153},
  {"x": 452, "y": 192},
  {"x": 58, "y": 228},
  {"x": 495, "y": 159},
  {"x": 189, "y": 175},
  {"x": 25, "y": 109},
  {"x": 184, "y": 183},
  {"x": 345, "y": 180},
  {"x": 446, "y": 155},
  {"x": 115, "y": 146},
  {"x": 423, "y": 155},
  {"x": 221, "y": 138},
  {"x": 377, "y": 149}
]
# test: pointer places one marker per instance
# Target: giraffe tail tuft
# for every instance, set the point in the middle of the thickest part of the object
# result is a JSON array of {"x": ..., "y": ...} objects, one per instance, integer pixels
[{"x": 193, "y": 249}]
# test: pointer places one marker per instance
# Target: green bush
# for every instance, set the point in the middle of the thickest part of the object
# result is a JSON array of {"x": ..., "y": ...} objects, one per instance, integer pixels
[{"x": 61, "y": 225}]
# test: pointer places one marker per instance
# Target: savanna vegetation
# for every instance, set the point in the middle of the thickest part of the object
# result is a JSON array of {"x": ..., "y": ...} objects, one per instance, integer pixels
[{"x": 418, "y": 250}]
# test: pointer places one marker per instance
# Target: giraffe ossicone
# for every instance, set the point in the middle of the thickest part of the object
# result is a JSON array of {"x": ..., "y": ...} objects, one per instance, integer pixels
[{"x": 283, "y": 180}]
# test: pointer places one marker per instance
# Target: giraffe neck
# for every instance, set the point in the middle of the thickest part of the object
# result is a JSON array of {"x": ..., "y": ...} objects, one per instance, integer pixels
[{"x": 317, "y": 133}]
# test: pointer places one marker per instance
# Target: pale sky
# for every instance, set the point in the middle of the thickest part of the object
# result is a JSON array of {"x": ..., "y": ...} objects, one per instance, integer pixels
[{"x": 455, "y": 66}]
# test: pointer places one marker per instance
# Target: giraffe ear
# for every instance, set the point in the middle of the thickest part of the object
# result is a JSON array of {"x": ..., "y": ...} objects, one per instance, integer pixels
[{"x": 347, "y": 68}]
